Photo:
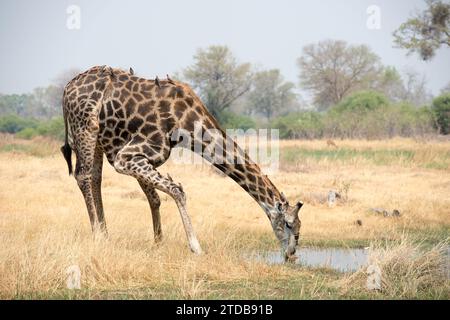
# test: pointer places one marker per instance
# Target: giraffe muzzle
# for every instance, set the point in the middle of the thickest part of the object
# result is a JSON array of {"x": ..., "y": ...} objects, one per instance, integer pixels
[{"x": 291, "y": 248}]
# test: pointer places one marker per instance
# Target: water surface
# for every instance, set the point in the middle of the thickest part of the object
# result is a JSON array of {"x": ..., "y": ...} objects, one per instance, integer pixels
[
  {"x": 339, "y": 259},
  {"x": 344, "y": 260}
]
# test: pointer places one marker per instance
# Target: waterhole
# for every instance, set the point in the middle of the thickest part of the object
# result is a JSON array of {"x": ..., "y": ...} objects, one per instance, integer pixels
[
  {"x": 339, "y": 259},
  {"x": 343, "y": 260}
]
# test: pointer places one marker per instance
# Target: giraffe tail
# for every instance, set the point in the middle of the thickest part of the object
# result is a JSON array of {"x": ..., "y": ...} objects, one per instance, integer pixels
[{"x": 66, "y": 149}]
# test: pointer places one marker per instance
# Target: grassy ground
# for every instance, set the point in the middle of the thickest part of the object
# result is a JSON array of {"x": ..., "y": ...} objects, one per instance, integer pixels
[{"x": 44, "y": 225}]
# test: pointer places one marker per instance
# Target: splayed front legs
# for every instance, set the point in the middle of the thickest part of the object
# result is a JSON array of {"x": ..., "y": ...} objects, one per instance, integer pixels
[
  {"x": 154, "y": 202},
  {"x": 141, "y": 168}
]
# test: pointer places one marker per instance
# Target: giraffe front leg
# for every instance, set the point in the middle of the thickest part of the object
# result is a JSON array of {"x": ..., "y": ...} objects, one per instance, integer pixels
[
  {"x": 142, "y": 169},
  {"x": 154, "y": 202},
  {"x": 179, "y": 196}
]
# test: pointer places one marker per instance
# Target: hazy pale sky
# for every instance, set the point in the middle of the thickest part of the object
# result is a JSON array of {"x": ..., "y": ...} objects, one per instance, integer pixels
[{"x": 159, "y": 37}]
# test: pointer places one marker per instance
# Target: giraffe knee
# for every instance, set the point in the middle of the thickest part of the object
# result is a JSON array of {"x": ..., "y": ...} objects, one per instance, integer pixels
[
  {"x": 155, "y": 202},
  {"x": 82, "y": 175},
  {"x": 153, "y": 198},
  {"x": 121, "y": 165},
  {"x": 83, "y": 180},
  {"x": 177, "y": 193}
]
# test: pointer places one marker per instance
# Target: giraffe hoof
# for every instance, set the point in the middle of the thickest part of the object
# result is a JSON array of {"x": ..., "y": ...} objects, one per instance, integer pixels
[
  {"x": 158, "y": 240},
  {"x": 195, "y": 247},
  {"x": 100, "y": 236},
  {"x": 197, "y": 251}
]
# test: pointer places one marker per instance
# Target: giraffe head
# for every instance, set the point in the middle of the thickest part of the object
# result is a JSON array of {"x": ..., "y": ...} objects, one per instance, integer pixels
[{"x": 285, "y": 223}]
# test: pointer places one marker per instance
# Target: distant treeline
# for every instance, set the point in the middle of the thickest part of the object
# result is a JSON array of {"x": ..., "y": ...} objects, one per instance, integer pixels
[{"x": 365, "y": 114}]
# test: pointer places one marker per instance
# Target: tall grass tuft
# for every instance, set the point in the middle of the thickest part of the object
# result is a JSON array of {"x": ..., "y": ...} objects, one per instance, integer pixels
[{"x": 408, "y": 270}]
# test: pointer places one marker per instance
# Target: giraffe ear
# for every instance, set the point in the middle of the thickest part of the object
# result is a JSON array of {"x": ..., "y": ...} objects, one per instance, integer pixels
[
  {"x": 299, "y": 205},
  {"x": 283, "y": 197}
]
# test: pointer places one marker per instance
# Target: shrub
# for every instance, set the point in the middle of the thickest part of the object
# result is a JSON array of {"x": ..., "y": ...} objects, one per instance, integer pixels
[
  {"x": 424, "y": 121},
  {"x": 230, "y": 120},
  {"x": 362, "y": 102},
  {"x": 365, "y": 114},
  {"x": 412, "y": 121},
  {"x": 52, "y": 128},
  {"x": 361, "y": 114},
  {"x": 27, "y": 133},
  {"x": 29, "y": 128},
  {"x": 306, "y": 124},
  {"x": 441, "y": 111},
  {"x": 13, "y": 124}
]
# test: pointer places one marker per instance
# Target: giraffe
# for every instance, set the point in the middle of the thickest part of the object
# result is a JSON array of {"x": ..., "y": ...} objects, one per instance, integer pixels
[{"x": 134, "y": 122}]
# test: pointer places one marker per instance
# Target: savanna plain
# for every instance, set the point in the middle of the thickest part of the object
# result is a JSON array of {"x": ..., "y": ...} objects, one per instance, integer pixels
[{"x": 44, "y": 226}]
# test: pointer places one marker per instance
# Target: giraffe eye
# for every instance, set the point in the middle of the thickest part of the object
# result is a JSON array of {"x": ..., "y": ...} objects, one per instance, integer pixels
[{"x": 279, "y": 206}]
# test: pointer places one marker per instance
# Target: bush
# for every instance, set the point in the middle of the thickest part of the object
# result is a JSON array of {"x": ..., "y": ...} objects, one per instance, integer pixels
[
  {"x": 230, "y": 120},
  {"x": 441, "y": 111},
  {"x": 307, "y": 125},
  {"x": 29, "y": 128},
  {"x": 410, "y": 120},
  {"x": 369, "y": 114},
  {"x": 52, "y": 128},
  {"x": 362, "y": 102},
  {"x": 13, "y": 124},
  {"x": 27, "y": 133},
  {"x": 361, "y": 114},
  {"x": 364, "y": 114}
]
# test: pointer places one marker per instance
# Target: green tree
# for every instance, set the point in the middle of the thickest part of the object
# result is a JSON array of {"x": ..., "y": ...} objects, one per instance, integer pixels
[
  {"x": 270, "y": 94},
  {"x": 218, "y": 77},
  {"x": 333, "y": 69},
  {"x": 427, "y": 31},
  {"x": 441, "y": 110}
]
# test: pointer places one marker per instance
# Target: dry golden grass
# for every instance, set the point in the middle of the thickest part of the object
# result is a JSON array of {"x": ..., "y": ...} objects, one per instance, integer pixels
[
  {"x": 405, "y": 269},
  {"x": 44, "y": 227}
]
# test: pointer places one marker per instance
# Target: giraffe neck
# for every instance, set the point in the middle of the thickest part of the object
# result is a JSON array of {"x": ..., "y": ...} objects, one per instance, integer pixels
[{"x": 236, "y": 164}]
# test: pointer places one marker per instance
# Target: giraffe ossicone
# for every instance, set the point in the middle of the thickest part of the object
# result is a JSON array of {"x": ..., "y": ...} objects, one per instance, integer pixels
[{"x": 135, "y": 123}]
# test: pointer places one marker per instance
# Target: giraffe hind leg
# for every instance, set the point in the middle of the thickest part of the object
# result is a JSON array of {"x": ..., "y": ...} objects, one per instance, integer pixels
[
  {"x": 83, "y": 174},
  {"x": 96, "y": 188},
  {"x": 88, "y": 165}
]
